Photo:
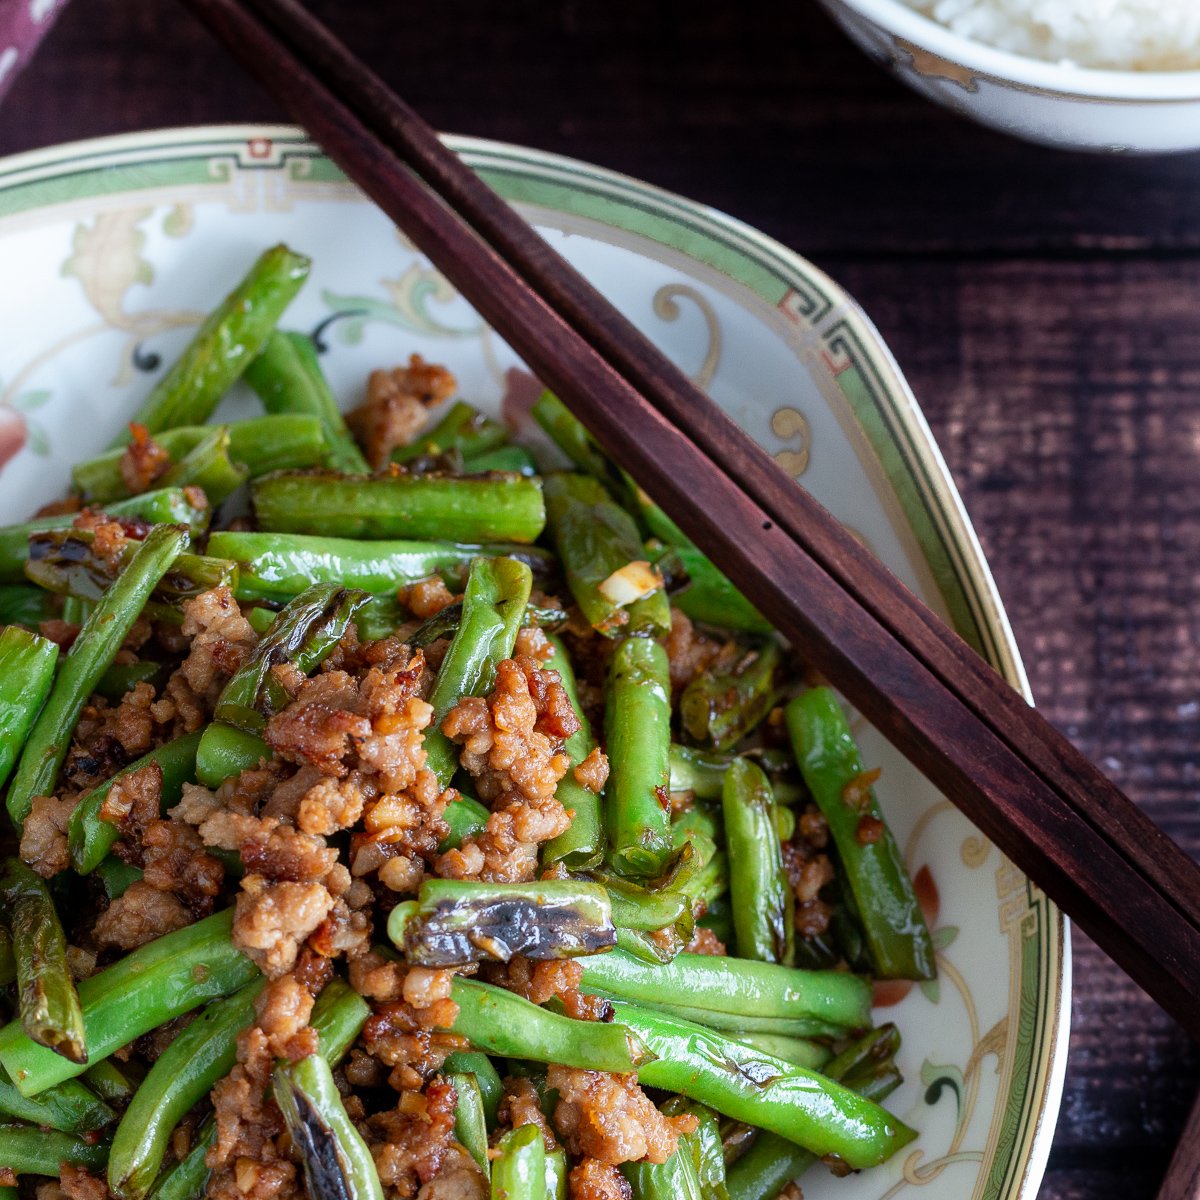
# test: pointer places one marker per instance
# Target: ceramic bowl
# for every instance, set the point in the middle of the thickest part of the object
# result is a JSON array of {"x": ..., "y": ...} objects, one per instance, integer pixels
[
  {"x": 1144, "y": 112},
  {"x": 114, "y": 249}
]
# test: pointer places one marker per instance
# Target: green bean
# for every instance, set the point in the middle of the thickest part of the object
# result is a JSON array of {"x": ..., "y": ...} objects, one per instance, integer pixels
[
  {"x": 493, "y": 604},
  {"x": 28, "y": 1150},
  {"x": 515, "y": 460},
  {"x": 640, "y": 945},
  {"x": 167, "y": 505},
  {"x": 260, "y": 444},
  {"x": 758, "y": 884},
  {"x": 702, "y": 772},
  {"x": 188, "y": 1178},
  {"x": 276, "y": 566},
  {"x": 573, "y": 439},
  {"x": 117, "y": 877},
  {"x": 897, "y": 937},
  {"x": 461, "y": 921},
  {"x": 463, "y": 428},
  {"x": 785, "y": 822},
  {"x": 603, "y": 559},
  {"x": 27, "y": 664},
  {"x": 478, "y": 1065},
  {"x": 708, "y": 596},
  {"x": 721, "y": 708},
  {"x": 335, "y": 1158},
  {"x": 225, "y": 751},
  {"x": 90, "y": 837},
  {"x": 159, "y": 981},
  {"x": 122, "y": 678},
  {"x": 637, "y": 729},
  {"x": 580, "y": 846},
  {"x": 569, "y": 434},
  {"x": 261, "y": 619},
  {"x": 675, "y": 1179},
  {"x": 557, "y": 1171},
  {"x": 803, "y": 1052},
  {"x": 470, "y": 1124},
  {"x": 181, "y": 1076},
  {"x": 747, "y": 1085},
  {"x": 691, "y": 1172},
  {"x": 477, "y": 509},
  {"x": 466, "y": 817},
  {"x": 773, "y": 1162},
  {"x": 338, "y": 1016},
  {"x": 705, "y": 1143},
  {"x": 734, "y": 1024},
  {"x": 90, "y": 655},
  {"x": 231, "y": 336},
  {"x": 737, "y": 986},
  {"x": 288, "y": 379},
  {"x": 8, "y": 964},
  {"x": 105, "y": 1080},
  {"x": 708, "y": 877},
  {"x": 501, "y": 1022},
  {"x": 304, "y": 633},
  {"x": 636, "y": 907},
  {"x": 210, "y": 467},
  {"x": 49, "y": 1004},
  {"x": 69, "y": 1107},
  {"x": 519, "y": 1169},
  {"x": 65, "y": 561},
  {"x": 24, "y": 605}
]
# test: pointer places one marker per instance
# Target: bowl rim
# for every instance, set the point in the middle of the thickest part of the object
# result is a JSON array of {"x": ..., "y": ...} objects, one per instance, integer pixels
[
  {"x": 114, "y": 157},
  {"x": 1032, "y": 74}
]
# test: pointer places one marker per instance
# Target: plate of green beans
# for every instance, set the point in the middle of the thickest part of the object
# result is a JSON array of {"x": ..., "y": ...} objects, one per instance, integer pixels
[{"x": 396, "y": 802}]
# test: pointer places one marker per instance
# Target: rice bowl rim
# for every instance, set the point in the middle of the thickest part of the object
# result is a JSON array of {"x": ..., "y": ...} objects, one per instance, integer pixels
[{"x": 1033, "y": 74}]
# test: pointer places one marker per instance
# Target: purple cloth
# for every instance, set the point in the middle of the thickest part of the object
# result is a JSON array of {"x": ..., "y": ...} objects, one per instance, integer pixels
[{"x": 23, "y": 24}]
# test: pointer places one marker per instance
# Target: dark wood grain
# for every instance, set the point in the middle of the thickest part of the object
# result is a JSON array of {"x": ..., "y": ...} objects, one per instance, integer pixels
[
  {"x": 1045, "y": 307},
  {"x": 1182, "y": 1181}
]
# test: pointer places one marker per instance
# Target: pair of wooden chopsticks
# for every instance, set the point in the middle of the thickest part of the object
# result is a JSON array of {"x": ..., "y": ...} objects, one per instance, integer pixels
[{"x": 1093, "y": 851}]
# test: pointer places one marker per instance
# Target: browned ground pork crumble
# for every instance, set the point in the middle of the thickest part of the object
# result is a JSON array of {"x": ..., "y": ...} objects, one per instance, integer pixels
[{"x": 343, "y": 822}]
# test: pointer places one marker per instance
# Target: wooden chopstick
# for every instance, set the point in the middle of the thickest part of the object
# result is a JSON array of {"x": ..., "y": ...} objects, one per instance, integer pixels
[
  {"x": 1017, "y": 778},
  {"x": 1048, "y": 753}
]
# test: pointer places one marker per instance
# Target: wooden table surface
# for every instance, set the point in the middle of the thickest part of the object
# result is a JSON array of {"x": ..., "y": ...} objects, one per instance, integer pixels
[{"x": 1045, "y": 306}]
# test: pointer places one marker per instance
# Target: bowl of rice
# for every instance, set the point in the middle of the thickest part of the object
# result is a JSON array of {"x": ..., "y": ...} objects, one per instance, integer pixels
[{"x": 1100, "y": 75}]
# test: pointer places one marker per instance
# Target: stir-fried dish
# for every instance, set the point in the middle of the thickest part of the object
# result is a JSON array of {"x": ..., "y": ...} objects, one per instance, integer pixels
[{"x": 394, "y": 813}]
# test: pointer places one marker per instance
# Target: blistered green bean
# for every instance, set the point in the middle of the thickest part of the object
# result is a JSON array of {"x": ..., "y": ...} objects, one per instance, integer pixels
[{"x": 225, "y": 344}]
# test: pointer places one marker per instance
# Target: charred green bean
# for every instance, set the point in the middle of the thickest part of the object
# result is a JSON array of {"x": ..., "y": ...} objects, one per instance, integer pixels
[
  {"x": 49, "y": 1003},
  {"x": 225, "y": 344},
  {"x": 898, "y": 939},
  {"x": 90, "y": 655},
  {"x": 160, "y": 981},
  {"x": 334, "y": 1156},
  {"x": 457, "y": 922},
  {"x": 760, "y": 895}
]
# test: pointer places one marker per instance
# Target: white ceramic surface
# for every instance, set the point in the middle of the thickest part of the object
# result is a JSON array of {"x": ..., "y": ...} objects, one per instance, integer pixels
[
  {"x": 1142, "y": 112},
  {"x": 112, "y": 250}
]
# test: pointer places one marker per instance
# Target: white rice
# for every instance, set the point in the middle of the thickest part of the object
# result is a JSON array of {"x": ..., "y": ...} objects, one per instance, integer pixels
[{"x": 1148, "y": 35}]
